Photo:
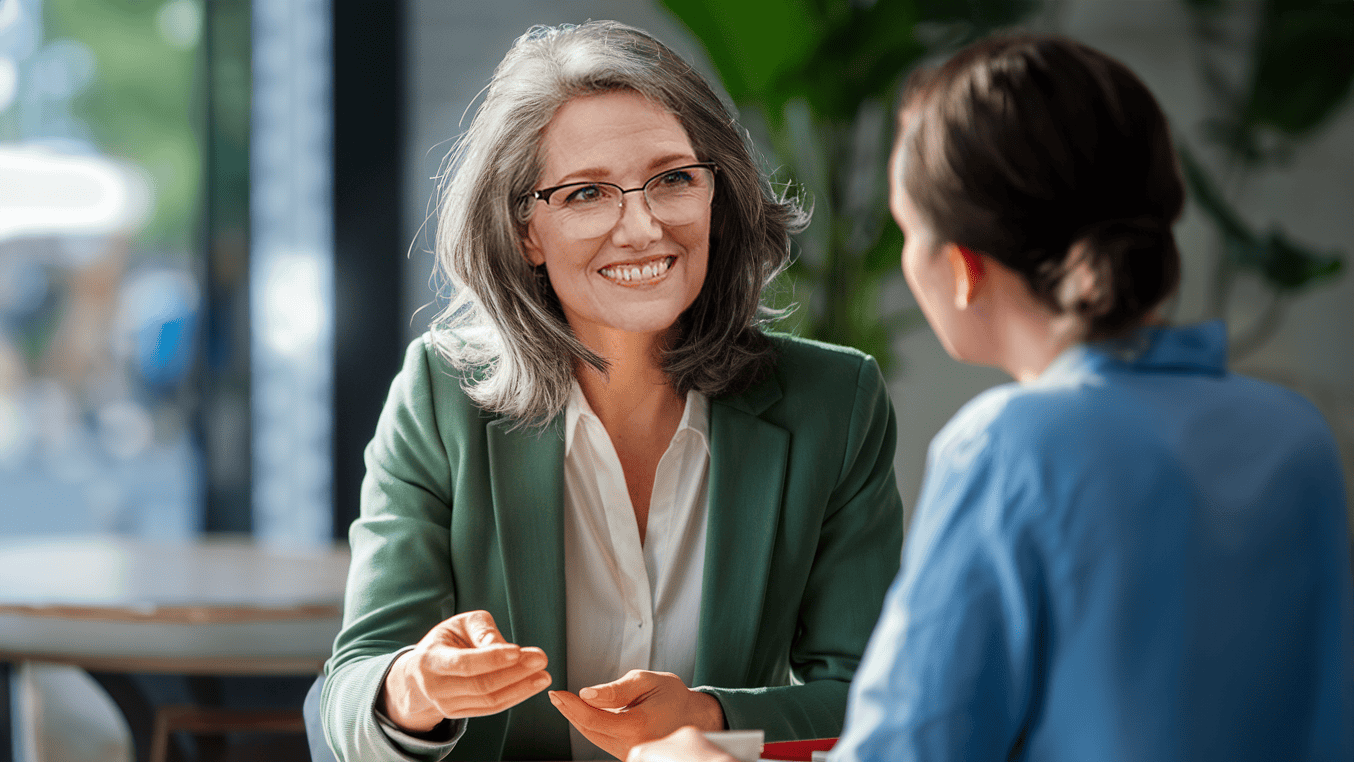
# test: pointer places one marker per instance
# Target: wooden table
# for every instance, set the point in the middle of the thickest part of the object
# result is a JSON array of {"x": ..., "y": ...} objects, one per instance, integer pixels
[{"x": 114, "y": 606}]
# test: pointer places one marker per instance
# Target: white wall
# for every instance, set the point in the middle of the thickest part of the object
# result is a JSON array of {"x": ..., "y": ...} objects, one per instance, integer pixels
[{"x": 454, "y": 46}]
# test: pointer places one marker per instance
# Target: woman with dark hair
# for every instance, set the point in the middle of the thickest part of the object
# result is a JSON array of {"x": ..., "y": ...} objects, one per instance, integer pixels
[
  {"x": 1131, "y": 553},
  {"x": 597, "y": 473}
]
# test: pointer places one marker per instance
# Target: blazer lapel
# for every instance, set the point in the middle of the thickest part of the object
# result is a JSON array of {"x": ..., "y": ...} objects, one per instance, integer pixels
[
  {"x": 748, "y": 458},
  {"x": 526, "y": 473}
]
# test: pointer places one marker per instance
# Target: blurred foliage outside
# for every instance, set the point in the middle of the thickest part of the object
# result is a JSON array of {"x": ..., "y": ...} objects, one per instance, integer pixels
[{"x": 142, "y": 100}]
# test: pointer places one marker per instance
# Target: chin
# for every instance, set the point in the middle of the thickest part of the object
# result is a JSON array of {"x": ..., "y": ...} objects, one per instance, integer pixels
[{"x": 644, "y": 324}]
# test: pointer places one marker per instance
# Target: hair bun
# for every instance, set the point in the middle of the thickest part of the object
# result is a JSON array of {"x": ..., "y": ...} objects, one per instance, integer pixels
[{"x": 1118, "y": 270}]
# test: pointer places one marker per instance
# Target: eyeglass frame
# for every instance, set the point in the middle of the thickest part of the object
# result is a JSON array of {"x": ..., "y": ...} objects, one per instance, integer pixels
[{"x": 544, "y": 194}]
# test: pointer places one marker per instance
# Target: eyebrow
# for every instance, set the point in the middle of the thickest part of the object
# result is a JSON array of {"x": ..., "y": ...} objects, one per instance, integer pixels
[{"x": 591, "y": 173}]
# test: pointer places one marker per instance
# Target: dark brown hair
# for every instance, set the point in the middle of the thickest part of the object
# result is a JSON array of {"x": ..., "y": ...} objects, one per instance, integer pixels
[{"x": 1043, "y": 153}]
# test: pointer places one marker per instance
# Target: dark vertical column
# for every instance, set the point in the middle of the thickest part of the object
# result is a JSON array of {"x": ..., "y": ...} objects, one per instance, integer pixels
[
  {"x": 6, "y": 714},
  {"x": 369, "y": 249},
  {"x": 224, "y": 415}
]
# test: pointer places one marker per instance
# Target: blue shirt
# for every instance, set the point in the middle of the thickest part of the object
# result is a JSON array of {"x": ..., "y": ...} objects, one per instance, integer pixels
[{"x": 1139, "y": 556}]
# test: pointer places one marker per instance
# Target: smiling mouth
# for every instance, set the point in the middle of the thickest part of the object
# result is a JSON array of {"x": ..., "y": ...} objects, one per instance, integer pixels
[{"x": 638, "y": 273}]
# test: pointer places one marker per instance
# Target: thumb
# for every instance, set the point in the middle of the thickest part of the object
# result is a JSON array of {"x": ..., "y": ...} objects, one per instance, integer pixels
[
  {"x": 480, "y": 629},
  {"x": 619, "y": 693}
]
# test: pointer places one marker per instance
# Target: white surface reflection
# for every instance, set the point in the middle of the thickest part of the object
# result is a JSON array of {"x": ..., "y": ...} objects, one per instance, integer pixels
[{"x": 43, "y": 192}]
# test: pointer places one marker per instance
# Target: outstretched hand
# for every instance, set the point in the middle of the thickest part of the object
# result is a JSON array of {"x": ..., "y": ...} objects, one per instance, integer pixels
[
  {"x": 641, "y": 706},
  {"x": 685, "y": 745},
  {"x": 463, "y": 667}
]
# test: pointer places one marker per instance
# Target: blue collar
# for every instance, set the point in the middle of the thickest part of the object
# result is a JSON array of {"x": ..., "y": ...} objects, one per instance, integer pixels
[{"x": 1199, "y": 348}]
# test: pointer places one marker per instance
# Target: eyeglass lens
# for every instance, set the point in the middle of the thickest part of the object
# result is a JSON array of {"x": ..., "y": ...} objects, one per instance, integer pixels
[{"x": 674, "y": 197}]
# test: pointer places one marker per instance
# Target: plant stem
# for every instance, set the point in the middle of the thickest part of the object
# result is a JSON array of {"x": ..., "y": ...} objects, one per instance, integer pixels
[{"x": 1262, "y": 330}]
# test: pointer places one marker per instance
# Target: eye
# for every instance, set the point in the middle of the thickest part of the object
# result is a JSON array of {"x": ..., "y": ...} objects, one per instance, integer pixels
[
  {"x": 677, "y": 178},
  {"x": 582, "y": 195}
]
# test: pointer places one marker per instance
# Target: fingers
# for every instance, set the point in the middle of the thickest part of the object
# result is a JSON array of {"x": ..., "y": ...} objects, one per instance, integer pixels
[
  {"x": 628, "y": 690},
  {"x": 479, "y": 628},
  {"x": 471, "y": 662},
  {"x": 480, "y": 702},
  {"x": 475, "y": 682},
  {"x": 596, "y": 725},
  {"x": 684, "y": 745},
  {"x": 470, "y": 629},
  {"x": 466, "y": 668},
  {"x": 636, "y": 708},
  {"x": 578, "y": 712},
  {"x": 492, "y": 681}
]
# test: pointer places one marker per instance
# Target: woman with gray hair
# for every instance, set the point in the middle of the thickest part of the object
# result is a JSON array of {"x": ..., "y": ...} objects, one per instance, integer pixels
[{"x": 597, "y": 474}]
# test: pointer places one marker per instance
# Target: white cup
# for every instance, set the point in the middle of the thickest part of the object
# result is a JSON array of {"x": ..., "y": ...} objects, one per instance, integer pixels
[{"x": 743, "y": 745}]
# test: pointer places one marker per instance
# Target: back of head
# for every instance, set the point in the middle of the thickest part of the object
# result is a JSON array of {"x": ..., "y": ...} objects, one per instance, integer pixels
[{"x": 1048, "y": 155}]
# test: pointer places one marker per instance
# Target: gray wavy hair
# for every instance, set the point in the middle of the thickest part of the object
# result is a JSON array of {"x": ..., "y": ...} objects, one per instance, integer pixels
[{"x": 503, "y": 325}]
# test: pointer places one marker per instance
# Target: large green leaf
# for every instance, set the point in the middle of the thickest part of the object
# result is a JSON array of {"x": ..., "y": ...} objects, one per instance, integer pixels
[
  {"x": 886, "y": 254},
  {"x": 1304, "y": 64},
  {"x": 981, "y": 15},
  {"x": 1284, "y": 264},
  {"x": 1204, "y": 192},
  {"x": 1290, "y": 266},
  {"x": 860, "y": 54},
  {"x": 752, "y": 43}
]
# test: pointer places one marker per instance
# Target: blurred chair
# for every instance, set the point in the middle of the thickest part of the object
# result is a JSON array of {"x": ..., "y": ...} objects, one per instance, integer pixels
[
  {"x": 319, "y": 747},
  {"x": 216, "y": 721},
  {"x": 62, "y": 715}
]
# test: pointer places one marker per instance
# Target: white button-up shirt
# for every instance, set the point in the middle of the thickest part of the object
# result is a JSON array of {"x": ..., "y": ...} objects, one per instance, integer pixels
[{"x": 631, "y": 606}]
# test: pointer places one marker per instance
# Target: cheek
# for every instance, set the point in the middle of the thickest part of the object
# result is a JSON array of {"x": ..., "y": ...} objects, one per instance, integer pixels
[
  {"x": 914, "y": 271},
  {"x": 697, "y": 245},
  {"x": 927, "y": 284}
]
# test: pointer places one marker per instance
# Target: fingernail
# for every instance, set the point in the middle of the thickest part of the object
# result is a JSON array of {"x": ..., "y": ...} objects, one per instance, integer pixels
[
  {"x": 551, "y": 694},
  {"x": 588, "y": 693}
]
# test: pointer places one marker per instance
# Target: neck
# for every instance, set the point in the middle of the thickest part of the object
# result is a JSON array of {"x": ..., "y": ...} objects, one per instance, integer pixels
[
  {"x": 635, "y": 391},
  {"x": 1027, "y": 334}
]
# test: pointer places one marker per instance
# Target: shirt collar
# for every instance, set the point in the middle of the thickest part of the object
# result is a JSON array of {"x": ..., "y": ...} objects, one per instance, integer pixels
[
  {"x": 695, "y": 418},
  {"x": 1199, "y": 348}
]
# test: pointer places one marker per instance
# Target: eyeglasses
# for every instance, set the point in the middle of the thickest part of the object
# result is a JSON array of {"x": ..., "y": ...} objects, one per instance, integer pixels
[{"x": 676, "y": 196}]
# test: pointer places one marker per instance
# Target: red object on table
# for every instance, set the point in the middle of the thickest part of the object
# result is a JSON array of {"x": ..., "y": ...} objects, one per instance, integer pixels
[{"x": 796, "y": 751}]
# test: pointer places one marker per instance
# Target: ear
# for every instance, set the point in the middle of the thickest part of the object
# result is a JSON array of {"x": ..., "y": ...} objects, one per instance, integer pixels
[
  {"x": 970, "y": 273},
  {"x": 531, "y": 248}
]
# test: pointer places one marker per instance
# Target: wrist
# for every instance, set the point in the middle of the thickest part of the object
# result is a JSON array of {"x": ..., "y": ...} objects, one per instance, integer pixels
[
  {"x": 402, "y": 701},
  {"x": 709, "y": 713}
]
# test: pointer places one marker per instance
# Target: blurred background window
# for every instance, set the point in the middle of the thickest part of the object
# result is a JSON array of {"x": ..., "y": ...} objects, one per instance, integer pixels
[
  {"x": 166, "y": 259},
  {"x": 101, "y": 272}
]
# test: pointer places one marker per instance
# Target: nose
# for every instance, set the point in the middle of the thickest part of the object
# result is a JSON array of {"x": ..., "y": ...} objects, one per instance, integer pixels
[{"x": 637, "y": 228}]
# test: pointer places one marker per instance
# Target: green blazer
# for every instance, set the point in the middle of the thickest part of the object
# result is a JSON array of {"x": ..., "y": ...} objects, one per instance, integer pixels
[{"x": 460, "y": 512}]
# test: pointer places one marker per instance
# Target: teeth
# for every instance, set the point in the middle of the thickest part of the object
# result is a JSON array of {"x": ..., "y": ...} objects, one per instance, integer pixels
[{"x": 629, "y": 273}]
